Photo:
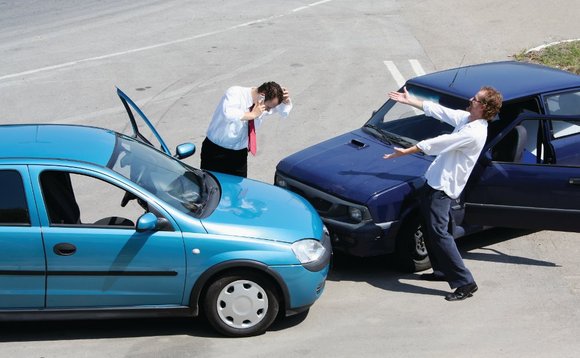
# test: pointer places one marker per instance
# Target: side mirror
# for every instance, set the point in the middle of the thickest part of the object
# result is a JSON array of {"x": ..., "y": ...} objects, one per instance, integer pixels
[
  {"x": 184, "y": 150},
  {"x": 146, "y": 222}
]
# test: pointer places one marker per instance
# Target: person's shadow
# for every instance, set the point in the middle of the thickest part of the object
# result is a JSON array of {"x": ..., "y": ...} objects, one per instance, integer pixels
[{"x": 382, "y": 272}]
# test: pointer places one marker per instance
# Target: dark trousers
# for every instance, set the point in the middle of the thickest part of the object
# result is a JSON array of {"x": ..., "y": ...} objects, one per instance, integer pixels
[
  {"x": 223, "y": 160},
  {"x": 443, "y": 253}
]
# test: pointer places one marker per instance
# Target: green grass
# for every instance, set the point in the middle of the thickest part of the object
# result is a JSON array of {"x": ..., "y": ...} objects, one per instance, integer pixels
[{"x": 565, "y": 56}]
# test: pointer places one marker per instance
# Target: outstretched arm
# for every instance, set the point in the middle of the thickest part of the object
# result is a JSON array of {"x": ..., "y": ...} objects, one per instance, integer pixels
[
  {"x": 399, "y": 152},
  {"x": 406, "y": 98}
]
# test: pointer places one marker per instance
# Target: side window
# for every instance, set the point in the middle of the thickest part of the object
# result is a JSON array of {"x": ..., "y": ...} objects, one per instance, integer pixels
[
  {"x": 563, "y": 104},
  {"x": 75, "y": 199},
  {"x": 519, "y": 145},
  {"x": 13, "y": 207},
  {"x": 534, "y": 141},
  {"x": 565, "y": 141}
]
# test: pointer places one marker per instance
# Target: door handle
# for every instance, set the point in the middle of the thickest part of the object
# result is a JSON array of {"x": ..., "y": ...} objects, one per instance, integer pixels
[
  {"x": 64, "y": 249},
  {"x": 574, "y": 181}
]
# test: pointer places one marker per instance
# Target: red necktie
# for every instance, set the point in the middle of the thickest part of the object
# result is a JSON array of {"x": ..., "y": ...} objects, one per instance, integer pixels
[{"x": 252, "y": 146}]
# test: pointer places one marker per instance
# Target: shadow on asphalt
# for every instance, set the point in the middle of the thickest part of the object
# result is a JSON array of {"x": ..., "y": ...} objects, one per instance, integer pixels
[
  {"x": 381, "y": 272},
  {"x": 120, "y": 328},
  {"x": 378, "y": 271},
  {"x": 99, "y": 329}
]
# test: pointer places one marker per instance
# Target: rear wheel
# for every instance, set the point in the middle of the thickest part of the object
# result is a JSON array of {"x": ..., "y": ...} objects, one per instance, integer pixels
[
  {"x": 241, "y": 304},
  {"x": 411, "y": 250}
]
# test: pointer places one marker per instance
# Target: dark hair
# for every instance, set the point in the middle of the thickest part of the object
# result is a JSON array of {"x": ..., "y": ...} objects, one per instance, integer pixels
[
  {"x": 492, "y": 101},
  {"x": 271, "y": 90}
]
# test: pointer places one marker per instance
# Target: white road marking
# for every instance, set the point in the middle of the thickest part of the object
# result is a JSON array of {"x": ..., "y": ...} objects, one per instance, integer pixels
[
  {"x": 310, "y": 5},
  {"x": 151, "y": 47},
  {"x": 417, "y": 67},
  {"x": 397, "y": 76}
]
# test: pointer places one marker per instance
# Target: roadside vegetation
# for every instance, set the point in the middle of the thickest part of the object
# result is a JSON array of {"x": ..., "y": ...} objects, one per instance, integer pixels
[{"x": 565, "y": 56}]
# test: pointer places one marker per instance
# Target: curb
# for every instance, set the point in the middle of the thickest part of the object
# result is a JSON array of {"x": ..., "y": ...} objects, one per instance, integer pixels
[{"x": 550, "y": 44}]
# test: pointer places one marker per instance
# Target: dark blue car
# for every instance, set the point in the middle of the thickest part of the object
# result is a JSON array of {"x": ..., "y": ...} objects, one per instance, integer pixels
[{"x": 528, "y": 174}]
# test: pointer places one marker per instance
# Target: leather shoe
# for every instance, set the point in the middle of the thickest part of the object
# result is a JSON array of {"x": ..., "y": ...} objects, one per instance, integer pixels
[
  {"x": 432, "y": 277},
  {"x": 462, "y": 292}
]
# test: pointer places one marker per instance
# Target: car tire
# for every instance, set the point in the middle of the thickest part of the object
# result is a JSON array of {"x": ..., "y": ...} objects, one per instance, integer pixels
[
  {"x": 241, "y": 304},
  {"x": 411, "y": 252}
]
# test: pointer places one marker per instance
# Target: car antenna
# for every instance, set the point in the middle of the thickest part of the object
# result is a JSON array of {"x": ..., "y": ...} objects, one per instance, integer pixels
[{"x": 457, "y": 72}]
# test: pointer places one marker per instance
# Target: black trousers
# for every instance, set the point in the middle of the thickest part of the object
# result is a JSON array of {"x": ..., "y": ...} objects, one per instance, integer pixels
[
  {"x": 223, "y": 160},
  {"x": 443, "y": 253}
]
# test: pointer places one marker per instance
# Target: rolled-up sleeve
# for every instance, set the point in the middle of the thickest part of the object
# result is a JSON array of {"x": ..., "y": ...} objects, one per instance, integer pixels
[
  {"x": 445, "y": 143},
  {"x": 453, "y": 117},
  {"x": 232, "y": 104}
]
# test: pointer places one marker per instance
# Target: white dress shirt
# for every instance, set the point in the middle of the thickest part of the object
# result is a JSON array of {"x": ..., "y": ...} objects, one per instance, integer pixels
[
  {"x": 456, "y": 152},
  {"x": 227, "y": 129}
]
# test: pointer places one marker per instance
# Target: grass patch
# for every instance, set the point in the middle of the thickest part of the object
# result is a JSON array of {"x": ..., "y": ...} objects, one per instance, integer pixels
[{"x": 565, "y": 56}]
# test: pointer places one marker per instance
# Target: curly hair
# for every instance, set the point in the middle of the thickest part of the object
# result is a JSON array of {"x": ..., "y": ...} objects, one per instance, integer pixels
[
  {"x": 492, "y": 101},
  {"x": 272, "y": 90}
]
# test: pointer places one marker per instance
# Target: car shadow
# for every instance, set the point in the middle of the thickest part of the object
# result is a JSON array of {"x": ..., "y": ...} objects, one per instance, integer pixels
[
  {"x": 381, "y": 272},
  {"x": 98, "y": 329}
]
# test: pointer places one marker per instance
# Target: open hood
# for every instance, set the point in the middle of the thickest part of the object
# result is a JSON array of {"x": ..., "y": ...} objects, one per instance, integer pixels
[{"x": 142, "y": 125}]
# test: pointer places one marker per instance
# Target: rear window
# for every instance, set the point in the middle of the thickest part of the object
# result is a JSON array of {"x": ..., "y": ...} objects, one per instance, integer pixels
[{"x": 13, "y": 207}]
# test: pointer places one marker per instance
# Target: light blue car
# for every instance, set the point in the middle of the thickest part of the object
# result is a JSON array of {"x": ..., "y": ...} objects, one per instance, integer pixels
[{"x": 97, "y": 224}]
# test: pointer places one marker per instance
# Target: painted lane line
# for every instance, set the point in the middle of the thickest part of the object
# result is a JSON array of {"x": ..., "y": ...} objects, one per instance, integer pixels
[
  {"x": 156, "y": 46},
  {"x": 417, "y": 67},
  {"x": 397, "y": 76}
]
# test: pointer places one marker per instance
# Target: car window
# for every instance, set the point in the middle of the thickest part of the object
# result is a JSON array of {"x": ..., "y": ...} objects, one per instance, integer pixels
[
  {"x": 563, "y": 104},
  {"x": 167, "y": 178},
  {"x": 566, "y": 141},
  {"x": 76, "y": 199},
  {"x": 526, "y": 143},
  {"x": 13, "y": 207}
]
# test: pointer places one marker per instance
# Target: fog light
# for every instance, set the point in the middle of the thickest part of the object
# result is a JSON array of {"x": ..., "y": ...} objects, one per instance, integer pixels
[
  {"x": 355, "y": 214},
  {"x": 281, "y": 182}
]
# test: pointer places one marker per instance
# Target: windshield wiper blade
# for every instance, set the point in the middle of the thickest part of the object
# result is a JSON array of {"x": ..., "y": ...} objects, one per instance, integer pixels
[{"x": 383, "y": 135}]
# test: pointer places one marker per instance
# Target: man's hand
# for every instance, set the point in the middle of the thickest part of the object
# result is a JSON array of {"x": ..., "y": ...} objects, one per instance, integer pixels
[
  {"x": 397, "y": 153},
  {"x": 286, "y": 96},
  {"x": 406, "y": 98},
  {"x": 258, "y": 109}
]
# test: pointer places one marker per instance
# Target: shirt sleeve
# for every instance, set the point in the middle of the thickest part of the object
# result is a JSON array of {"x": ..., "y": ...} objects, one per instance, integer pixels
[
  {"x": 453, "y": 117},
  {"x": 446, "y": 142},
  {"x": 284, "y": 109},
  {"x": 233, "y": 104}
]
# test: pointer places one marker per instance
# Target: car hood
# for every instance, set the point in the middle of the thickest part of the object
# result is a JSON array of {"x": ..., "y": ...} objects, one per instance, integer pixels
[
  {"x": 351, "y": 166},
  {"x": 251, "y": 208}
]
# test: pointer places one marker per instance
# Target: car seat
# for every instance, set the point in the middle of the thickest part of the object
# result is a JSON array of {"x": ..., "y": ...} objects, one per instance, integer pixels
[{"x": 511, "y": 147}]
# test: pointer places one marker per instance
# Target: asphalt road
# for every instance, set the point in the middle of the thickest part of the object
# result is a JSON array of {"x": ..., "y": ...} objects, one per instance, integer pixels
[{"x": 61, "y": 60}]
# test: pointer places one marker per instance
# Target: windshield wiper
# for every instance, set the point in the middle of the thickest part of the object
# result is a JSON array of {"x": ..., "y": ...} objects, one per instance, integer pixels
[{"x": 383, "y": 135}]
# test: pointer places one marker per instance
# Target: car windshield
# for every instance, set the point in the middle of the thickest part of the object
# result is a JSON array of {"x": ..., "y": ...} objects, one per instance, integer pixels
[
  {"x": 403, "y": 125},
  {"x": 171, "y": 180}
]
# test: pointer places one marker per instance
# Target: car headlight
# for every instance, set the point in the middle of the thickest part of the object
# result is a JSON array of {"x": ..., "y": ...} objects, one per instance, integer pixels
[
  {"x": 355, "y": 214},
  {"x": 279, "y": 181},
  {"x": 308, "y": 250}
]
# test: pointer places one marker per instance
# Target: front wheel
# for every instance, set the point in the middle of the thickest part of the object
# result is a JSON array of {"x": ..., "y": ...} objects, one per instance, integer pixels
[
  {"x": 411, "y": 250},
  {"x": 241, "y": 304}
]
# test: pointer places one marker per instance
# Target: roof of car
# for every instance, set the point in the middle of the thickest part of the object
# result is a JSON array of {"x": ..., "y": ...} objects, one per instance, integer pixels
[
  {"x": 513, "y": 79},
  {"x": 53, "y": 141}
]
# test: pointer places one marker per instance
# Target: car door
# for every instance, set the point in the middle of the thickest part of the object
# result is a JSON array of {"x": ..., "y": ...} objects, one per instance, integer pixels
[
  {"x": 539, "y": 190},
  {"x": 22, "y": 262},
  {"x": 95, "y": 256}
]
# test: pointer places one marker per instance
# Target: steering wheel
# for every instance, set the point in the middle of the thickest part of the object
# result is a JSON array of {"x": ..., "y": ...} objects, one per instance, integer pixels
[{"x": 127, "y": 198}]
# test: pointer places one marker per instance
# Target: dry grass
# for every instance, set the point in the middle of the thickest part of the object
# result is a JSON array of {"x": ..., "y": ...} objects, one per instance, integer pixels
[{"x": 565, "y": 56}]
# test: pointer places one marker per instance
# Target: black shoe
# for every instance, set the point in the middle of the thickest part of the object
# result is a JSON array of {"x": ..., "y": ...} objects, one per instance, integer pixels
[
  {"x": 432, "y": 277},
  {"x": 462, "y": 292}
]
